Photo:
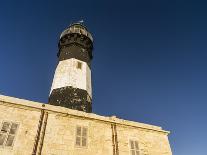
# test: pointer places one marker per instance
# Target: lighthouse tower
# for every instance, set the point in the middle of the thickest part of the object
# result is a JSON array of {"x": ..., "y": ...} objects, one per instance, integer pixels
[{"x": 71, "y": 85}]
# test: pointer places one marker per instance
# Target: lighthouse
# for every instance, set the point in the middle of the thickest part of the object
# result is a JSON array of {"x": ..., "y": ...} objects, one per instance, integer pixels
[{"x": 71, "y": 87}]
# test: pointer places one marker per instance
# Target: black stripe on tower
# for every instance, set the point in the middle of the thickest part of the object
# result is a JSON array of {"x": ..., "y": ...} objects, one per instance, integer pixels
[
  {"x": 73, "y": 98},
  {"x": 75, "y": 45}
]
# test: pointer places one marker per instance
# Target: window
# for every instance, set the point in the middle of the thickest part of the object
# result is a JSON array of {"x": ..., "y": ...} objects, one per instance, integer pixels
[
  {"x": 79, "y": 65},
  {"x": 81, "y": 136},
  {"x": 77, "y": 27},
  {"x": 134, "y": 148},
  {"x": 7, "y": 133}
]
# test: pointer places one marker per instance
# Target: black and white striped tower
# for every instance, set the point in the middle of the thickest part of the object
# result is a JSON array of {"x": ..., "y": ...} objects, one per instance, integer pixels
[{"x": 71, "y": 85}]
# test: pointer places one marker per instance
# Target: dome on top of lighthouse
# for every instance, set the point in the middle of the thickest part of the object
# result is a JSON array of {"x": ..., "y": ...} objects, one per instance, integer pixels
[{"x": 77, "y": 27}]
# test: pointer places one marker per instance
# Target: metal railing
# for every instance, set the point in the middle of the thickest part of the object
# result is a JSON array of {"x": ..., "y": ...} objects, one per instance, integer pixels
[{"x": 76, "y": 30}]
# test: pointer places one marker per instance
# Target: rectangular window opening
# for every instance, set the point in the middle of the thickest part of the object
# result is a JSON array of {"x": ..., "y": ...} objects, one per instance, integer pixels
[
  {"x": 79, "y": 65},
  {"x": 134, "y": 147},
  {"x": 7, "y": 133},
  {"x": 81, "y": 136}
]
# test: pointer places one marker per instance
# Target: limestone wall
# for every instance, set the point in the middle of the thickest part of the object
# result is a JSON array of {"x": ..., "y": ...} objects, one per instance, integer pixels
[
  {"x": 60, "y": 132},
  {"x": 150, "y": 142},
  {"x": 26, "y": 132}
]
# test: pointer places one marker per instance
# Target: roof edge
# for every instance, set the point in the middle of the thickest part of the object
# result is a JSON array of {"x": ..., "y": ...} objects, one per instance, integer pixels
[{"x": 76, "y": 113}]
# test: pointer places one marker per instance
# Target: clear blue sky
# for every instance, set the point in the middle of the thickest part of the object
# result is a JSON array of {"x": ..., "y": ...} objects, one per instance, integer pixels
[{"x": 149, "y": 59}]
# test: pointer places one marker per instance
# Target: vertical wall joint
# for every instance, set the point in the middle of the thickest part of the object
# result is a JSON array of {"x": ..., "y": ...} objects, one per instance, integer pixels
[
  {"x": 114, "y": 140},
  {"x": 39, "y": 139}
]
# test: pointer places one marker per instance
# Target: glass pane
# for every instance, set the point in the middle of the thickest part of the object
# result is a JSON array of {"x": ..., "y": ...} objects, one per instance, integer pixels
[
  {"x": 13, "y": 128},
  {"x": 136, "y": 145},
  {"x": 78, "y": 139},
  {"x": 10, "y": 140},
  {"x": 131, "y": 144},
  {"x": 5, "y": 127},
  {"x": 2, "y": 138},
  {"x": 137, "y": 152},
  {"x": 83, "y": 141},
  {"x": 78, "y": 131},
  {"x": 133, "y": 152},
  {"x": 84, "y": 134}
]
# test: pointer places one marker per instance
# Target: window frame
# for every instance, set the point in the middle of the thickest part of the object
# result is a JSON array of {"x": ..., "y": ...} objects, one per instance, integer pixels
[
  {"x": 135, "y": 148},
  {"x": 79, "y": 64},
  {"x": 81, "y": 136},
  {"x": 8, "y": 133}
]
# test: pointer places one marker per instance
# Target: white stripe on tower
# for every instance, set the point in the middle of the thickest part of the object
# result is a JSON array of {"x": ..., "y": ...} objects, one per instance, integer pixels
[{"x": 72, "y": 72}]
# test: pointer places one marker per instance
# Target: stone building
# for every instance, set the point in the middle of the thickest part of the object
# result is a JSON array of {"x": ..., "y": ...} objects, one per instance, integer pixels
[{"x": 67, "y": 126}]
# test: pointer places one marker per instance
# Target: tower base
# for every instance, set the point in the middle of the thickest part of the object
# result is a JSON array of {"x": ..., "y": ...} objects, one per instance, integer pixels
[{"x": 73, "y": 98}]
